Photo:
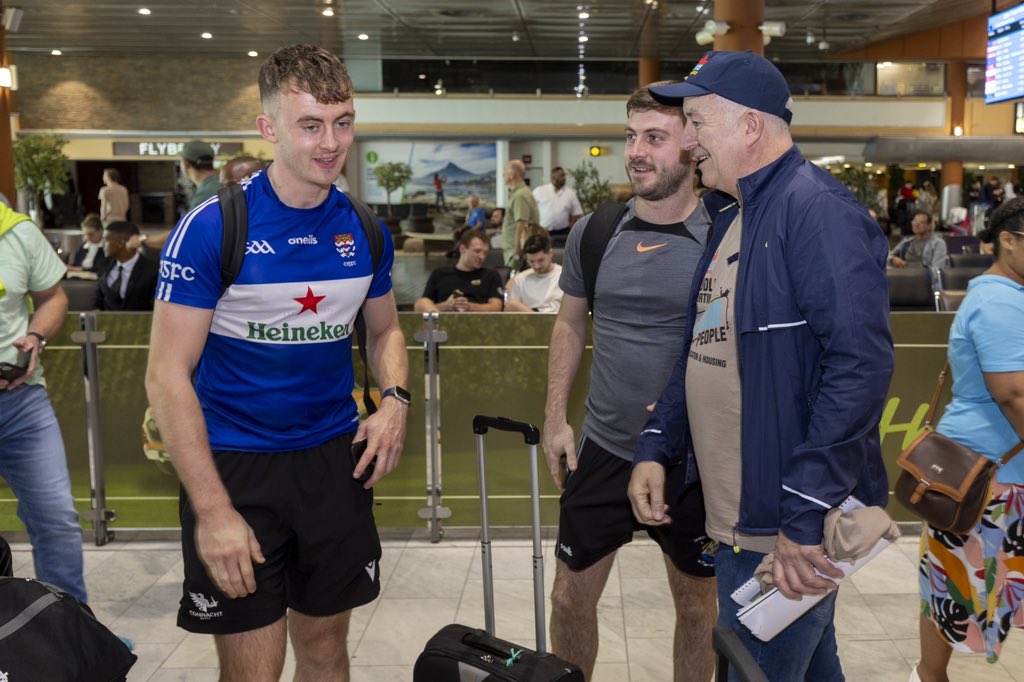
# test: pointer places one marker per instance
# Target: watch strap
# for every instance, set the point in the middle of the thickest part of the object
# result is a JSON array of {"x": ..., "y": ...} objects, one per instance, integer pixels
[
  {"x": 42, "y": 339},
  {"x": 398, "y": 393}
]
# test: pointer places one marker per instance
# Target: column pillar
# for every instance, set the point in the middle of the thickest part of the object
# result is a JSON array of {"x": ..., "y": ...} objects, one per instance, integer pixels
[
  {"x": 650, "y": 71},
  {"x": 956, "y": 88},
  {"x": 743, "y": 17},
  {"x": 6, "y": 150}
]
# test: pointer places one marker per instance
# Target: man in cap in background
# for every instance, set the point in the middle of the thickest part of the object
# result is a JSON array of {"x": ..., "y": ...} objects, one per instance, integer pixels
[
  {"x": 792, "y": 289},
  {"x": 197, "y": 164}
]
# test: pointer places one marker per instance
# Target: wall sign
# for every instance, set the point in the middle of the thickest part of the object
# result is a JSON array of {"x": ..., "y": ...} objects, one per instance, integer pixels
[{"x": 169, "y": 149}]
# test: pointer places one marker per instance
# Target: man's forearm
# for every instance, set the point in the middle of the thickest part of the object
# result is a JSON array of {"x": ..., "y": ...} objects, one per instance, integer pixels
[
  {"x": 183, "y": 428},
  {"x": 388, "y": 359},
  {"x": 49, "y": 313},
  {"x": 564, "y": 354}
]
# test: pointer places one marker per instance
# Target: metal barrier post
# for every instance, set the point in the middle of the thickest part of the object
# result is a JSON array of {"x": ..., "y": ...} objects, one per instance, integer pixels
[
  {"x": 434, "y": 512},
  {"x": 89, "y": 338}
]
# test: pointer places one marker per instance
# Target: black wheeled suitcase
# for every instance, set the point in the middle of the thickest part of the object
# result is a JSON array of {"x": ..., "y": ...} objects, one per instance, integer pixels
[{"x": 458, "y": 653}]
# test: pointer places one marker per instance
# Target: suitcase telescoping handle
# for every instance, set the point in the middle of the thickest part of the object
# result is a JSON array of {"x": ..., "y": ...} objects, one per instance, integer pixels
[{"x": 531, "y": 435}]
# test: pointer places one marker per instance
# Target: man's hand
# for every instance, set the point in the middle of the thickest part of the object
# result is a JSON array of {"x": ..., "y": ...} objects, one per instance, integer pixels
[
  {"x": 898, "y": 262},
  {"x": 646, "y": 492},
  {"x": 559, "y": 441},
  {"x": 794, "y": 567},
  {"x": 385, "y": 435},
  {"x": 228, "y": 548},
  {"x": 25, "y": 344},
  {"x": 459, "y": 304}
]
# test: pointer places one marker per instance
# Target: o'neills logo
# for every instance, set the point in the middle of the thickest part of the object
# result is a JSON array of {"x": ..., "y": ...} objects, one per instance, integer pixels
[
  {"x": 310, "y": 239},
  {"x": 259, "y": 331}
]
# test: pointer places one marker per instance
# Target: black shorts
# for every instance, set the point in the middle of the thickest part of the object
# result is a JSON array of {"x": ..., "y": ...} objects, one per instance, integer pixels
[
  {"x": 315, "y": 526},
  {"x": 596, "y": 517}
]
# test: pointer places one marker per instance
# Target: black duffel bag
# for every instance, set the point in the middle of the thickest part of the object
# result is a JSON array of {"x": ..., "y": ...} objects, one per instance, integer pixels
[{"x": 46, "y": 634}]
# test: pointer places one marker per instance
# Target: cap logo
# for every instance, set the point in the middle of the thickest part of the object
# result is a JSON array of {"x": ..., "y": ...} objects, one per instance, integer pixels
[{"x": 698, "y": 65}]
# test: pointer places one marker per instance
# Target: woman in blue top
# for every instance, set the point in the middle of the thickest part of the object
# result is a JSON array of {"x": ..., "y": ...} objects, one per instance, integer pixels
[{"x": 972, "y": 586}]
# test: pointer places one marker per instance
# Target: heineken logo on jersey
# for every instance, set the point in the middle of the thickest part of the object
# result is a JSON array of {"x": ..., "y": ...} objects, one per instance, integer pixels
[
  {"x": 345, "y": 244},
  {"x": 291, "y": 333}
]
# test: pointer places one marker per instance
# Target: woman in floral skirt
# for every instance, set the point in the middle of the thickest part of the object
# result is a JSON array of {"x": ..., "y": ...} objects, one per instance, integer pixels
[{"x": 972, "y": 586}]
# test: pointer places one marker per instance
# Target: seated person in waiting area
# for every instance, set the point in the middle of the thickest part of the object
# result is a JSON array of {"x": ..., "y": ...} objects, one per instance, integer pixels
[
  {"x": 924, "y": 248},
  {"x": 129, "y": 280},
  {"x": 536, "y": 288},
  {"x": 466, "y": 286}
]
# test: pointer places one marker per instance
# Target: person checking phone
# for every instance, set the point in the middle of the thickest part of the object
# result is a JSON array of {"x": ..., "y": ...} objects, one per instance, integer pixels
[
  {"x": 32, "y": 459},
  {"x": 466, "y": 286},
  {"x": 278, "y": 533}
]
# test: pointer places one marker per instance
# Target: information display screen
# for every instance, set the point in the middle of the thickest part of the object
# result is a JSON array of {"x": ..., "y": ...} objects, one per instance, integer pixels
[{"x": 1004, "y": 63}]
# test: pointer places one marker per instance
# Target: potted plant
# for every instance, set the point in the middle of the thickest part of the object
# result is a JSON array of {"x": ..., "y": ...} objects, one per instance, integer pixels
[
  {"x": 591, "y": 189},
  {"x": 40, "y": 166}
]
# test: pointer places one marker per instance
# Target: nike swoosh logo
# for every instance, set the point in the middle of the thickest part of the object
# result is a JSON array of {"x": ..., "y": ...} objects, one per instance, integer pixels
[{"x": 640, "y": 248}]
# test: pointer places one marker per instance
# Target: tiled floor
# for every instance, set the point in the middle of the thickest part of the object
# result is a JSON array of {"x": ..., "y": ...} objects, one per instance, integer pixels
[{"x": 135, "y": 585}]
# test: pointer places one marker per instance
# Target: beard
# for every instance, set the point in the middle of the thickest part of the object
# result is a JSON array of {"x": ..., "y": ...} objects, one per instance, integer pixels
[{"x": 666, "y": 181}]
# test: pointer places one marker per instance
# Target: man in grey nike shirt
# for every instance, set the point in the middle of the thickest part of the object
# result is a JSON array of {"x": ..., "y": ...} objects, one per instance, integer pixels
[{"x": 639, "y": 319}]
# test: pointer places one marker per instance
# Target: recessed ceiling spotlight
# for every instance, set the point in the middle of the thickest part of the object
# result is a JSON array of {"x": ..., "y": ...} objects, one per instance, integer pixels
[
  {"x": 144, "y": 11},
  {"x": 363, "y": 36},
  {"x": 328, "y": 12},
  {"x": 584, "y": 39},
  {"x": 423, "y": 76},
  {"x": 515, "y": 36},
  {"x": 254, "y": 53},
  {"x": 584, "y": 15},
  {"x": 206, "y": 35},
  {"x": 56, "y": 53}
]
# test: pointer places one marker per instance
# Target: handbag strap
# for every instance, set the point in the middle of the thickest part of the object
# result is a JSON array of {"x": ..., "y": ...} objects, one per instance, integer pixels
[
  {"x": 1013, "y": 452},
  {"x": 935, "y": 396}
]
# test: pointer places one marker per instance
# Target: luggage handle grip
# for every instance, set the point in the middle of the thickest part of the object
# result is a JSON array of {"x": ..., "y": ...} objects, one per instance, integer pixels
[
  {"x": 531, "y": 434},
  {"x": 482, "y": 642}
]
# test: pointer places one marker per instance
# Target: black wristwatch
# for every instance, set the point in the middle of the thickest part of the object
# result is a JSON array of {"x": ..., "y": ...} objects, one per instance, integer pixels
[
  {"x": 398, "y": 393},
  {"x": 42, "y": 340}
]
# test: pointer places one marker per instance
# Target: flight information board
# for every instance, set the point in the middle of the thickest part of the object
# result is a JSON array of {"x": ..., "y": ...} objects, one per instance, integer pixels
[{"x": 1004, "y": 63}]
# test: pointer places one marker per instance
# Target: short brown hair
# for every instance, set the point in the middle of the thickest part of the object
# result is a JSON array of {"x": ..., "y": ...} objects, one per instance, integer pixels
[
  {"x": 469, "y": 235},
  {"x": 113, "y": 174},
  {"x": 304, "y": 68},
  {"x": 92, "y": 221},
  {"x": 537, "y": 243},
  {"x": 641, "y": 101}
]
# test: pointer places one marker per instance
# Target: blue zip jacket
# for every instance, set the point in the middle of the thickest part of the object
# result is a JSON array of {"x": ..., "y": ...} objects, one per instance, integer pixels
[{"x": 815, "y": 352}]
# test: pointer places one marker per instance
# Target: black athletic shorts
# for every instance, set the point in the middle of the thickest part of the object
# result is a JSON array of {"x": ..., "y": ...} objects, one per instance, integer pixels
[
  {"x": 596, "y": 517},
  {"x": 315, "y": 526}
]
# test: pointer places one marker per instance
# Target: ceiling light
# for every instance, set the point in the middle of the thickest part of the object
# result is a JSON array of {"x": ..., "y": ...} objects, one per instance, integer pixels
[
  {"x": 981, "y": 167},
  {"x": 515, "y": 36},
  {"x": 878, "y": 172},
  {"x": 810, "y": 38},
  {"x": 958, "y": 131},
  {"x": 584, "y": 15},
  {"x": 254, "y": 53},
  {"x": 56, "y": 53},
  {"x": 328, "y": 12},
  {"x": 6, "y": 77},
  {"x": 144, "y": 11},
  {"x": 704, "y": 38},
  {"x": 423, "y": 76},
  {"x": 823, "y": 45},
  {"x": 922, "y": 164},
  {"x": 775, "y": 29},
  {"x": 716, "y": 28},
  {"x": 206, "y": 36},
  {"x": 846, "y": 165},
  {"x": 363, "y": 36},
  {"x": 1011, "y": 166},
  {"x": 868, "y": 164},
  {"x": 584, "y": 39}
]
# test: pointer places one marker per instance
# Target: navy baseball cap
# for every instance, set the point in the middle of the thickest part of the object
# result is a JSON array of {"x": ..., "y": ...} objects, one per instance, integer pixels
[{"x": 743, "y": 77}]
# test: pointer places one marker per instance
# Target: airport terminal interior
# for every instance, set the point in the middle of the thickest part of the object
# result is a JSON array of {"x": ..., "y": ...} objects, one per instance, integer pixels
[{"x": 899, "y": 100}]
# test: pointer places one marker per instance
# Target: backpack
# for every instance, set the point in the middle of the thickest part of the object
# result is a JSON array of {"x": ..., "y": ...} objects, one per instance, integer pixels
[
  {"x": 600, "y": 227},
  {"x": 235, "y": 216},
  {"x": 46, "y": 634}
]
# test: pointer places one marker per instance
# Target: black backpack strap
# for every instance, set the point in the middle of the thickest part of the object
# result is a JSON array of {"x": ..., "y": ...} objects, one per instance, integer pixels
[
  {"x": 235, "y": 217},
  {"x": 599, "y": 230},
  {"x": 375, "y": 240}
]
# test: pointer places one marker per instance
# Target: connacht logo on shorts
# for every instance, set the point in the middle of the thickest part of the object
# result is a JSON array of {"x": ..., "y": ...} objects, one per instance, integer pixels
[
  {"x": 205, "y": 606},
  {"x": 345, "y": 245}
]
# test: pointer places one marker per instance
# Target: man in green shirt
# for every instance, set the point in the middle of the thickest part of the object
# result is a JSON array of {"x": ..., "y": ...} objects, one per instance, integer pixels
[
  {"x": 197, "y": 164},
  {"x": 32, "y": 461},
  {"x": 520, "y": 213}
]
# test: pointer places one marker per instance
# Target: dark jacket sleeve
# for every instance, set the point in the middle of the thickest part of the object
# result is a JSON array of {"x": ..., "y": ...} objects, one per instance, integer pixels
[
  {"x": 836, "y": 259},
  {"x": 99, "y": 294}
]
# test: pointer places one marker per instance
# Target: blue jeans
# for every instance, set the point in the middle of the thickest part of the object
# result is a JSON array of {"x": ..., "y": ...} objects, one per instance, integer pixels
[
  {"x": 32, "y": 462},
  {"x": 806, "y": 650}
]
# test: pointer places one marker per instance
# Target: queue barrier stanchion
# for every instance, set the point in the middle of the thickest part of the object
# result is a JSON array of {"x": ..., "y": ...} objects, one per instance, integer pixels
[
  {"x": 89, "y": 337},
  {"x": 434, "y": 513}
]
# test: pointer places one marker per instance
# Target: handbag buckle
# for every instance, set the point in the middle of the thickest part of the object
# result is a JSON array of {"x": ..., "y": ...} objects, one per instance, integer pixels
[{"x": 919, "y": 491}]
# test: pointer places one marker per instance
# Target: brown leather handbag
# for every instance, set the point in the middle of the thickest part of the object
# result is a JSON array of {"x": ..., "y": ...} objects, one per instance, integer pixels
[{"x": 942, "y": 482}]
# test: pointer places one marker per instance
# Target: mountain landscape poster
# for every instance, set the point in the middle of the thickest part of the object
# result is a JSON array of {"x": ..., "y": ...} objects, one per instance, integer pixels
[{"x": 461, "y": 169}]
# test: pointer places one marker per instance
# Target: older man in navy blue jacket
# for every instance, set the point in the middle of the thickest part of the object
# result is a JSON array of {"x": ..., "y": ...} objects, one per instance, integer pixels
[{"x": 780, "y": 390}]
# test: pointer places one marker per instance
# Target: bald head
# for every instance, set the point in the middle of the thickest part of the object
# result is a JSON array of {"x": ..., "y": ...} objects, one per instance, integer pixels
[{"x": 515, "y": 172}]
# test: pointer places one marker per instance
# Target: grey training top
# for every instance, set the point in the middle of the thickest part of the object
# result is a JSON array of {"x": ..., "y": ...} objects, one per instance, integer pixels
[{"x": 641, "y": 303}]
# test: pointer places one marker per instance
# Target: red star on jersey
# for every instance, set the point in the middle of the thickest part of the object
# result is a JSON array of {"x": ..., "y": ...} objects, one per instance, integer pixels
[{"x": 309, "y": 301}]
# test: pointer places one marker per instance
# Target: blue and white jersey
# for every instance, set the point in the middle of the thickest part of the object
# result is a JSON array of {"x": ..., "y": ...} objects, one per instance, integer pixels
[{"x": 276, "y": 372}]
